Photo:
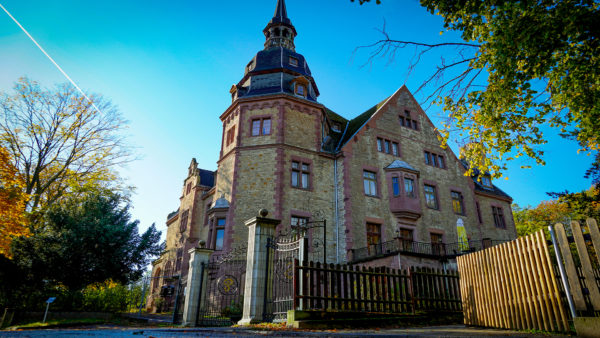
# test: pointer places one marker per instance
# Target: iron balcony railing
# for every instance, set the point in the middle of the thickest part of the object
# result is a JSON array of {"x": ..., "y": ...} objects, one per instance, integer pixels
[{"x": 410, "y": 247}]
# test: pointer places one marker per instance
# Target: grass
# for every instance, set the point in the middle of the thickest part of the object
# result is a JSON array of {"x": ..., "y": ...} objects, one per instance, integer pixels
[{"x": 58, "y": 322}]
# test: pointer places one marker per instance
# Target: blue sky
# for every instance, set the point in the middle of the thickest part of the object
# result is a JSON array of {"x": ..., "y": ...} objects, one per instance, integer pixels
[{"x": 169, "y": 67}]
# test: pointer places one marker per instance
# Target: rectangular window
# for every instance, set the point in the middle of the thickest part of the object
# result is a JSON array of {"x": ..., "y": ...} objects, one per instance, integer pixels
[
  {"x": 486, "y": 181},
  {"x": 230, "y": 135},
  {"x": 179, "y": 259},
  {"x": 401, "y": 119},
  {"x": 498, "y": 217},
  {"x": 266, "y": 127},
  {"x": 370, "y": 183},
  {"x": 414, "y": 125},
  {"x": 396, "y": 185},
  {"x": 430, "y": 196},
  {"x": 406, "y": 239},
  {"x": 188, "y": 188},
  {"x": 457, "y": 202},
  {"x": 220, "y": 233},
  {"x": 427, "y": 160},
  {"x": 261, "y": 126},
  {"x": 434, "y": 160},
  {"x": 293, "y": 61},
  {"x": 395, "y": 149},
  {"x": 409, "y": 187},
  {"x": 441, "y": 162},
  {"x": 373, "y": 238},
  {"x": 300, "y": 90},
  {"x": 300, "y": 174},
  {"x": 437, "y": 243},
  {"x": 379, "y": 144},
  {"x": 183, "y": 221},
  {"x": 387, "y": 146},
  {"x": 478, "y": 213},
  {"x": 297, "y": 221}
]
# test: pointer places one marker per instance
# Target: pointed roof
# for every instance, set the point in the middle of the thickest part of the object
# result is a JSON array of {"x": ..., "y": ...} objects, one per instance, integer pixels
[
  {"x": 280, "y": 15},
  {"x": 399, "y": 164}
]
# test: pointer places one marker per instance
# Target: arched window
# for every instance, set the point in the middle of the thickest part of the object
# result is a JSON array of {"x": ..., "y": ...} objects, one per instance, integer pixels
[
  {"x": 277, "y": 32},
  {"x": 156, "y": 280}
]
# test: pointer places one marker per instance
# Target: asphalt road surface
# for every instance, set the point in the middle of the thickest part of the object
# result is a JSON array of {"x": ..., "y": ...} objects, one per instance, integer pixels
[{"x": 114, "y": 331}]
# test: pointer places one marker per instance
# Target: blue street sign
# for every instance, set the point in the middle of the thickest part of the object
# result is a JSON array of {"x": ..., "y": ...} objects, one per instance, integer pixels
[{"x": 50, "y": 300}]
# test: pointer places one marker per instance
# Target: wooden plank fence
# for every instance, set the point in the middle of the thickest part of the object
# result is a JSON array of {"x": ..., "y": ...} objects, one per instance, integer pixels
[
  {"x": 583, "y": 277},
  {"x": 512, "y": 286},
  {"x": 381, "y": 289}
]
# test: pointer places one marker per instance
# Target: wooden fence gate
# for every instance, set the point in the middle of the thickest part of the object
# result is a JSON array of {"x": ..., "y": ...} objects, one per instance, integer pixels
[{"x": 512, "y": 286}]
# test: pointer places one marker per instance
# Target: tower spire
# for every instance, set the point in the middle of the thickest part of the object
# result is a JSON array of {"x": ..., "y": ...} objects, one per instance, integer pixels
[{"x": 279, "y": 31}]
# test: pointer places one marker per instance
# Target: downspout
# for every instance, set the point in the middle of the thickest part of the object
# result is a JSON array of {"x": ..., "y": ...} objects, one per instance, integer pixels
[{"x": 337, "y": 224}]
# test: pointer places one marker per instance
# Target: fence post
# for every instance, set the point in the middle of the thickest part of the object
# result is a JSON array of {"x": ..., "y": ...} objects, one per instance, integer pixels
[
  {"x": 260, "y": 230},
  {"x": 411, "y": 290},
  {"x": 563, "y": 274},
  {"x": 198, "y": 258}
]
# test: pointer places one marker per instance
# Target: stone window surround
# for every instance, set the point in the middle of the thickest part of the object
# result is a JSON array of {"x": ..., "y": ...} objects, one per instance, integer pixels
[
  {"x": 380, "y": 222},
  {"x": 402, "y": 117},
  {"x": 261, "y": 118},
  {"x": 438, "y": 232},
  {"x": 501, "y": 207},
  {"x": 212, "y": 231},
  {"x": 230, "y": 137},
  {"x": 301, "y": 160},
  {"x": 401, "y": 176},
  {"x": 383, "y": 139},
  {"x": 308, "y": 216},
  {"x": 464, "y": 205},
  {"x": 412, "y": 228},
  {"x": 437, "y": 194},
  {"x": 478, "y": 210},
  {"x": 437, "y": 153},
  {"x": 374, "y": 170}
]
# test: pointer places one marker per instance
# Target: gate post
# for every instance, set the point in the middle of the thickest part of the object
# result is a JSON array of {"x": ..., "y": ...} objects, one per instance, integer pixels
[
  {"x": 260, "y": 229},
  {"x": 195, "y": 279}
]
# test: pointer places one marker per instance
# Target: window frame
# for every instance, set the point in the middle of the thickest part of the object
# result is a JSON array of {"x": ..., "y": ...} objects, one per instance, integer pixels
[
  {"x": 498, "y": 215},
  {"x": 396, "y": 186},
  {"x": 372, "y": 183},
  {"x": 261, "y": 124},
  {"x": 404, "y": 181},
  {"x": 293, "y": 61},
  {"x": 435, "y": 159},
  {"x": 373, "y": 235},
  {"x": 218, "y": 228},
  {"x": 300, "y": 171},
  {"x": 433, "y": 193},
  {"x": 183, "y": 220},
  {"x": 388, "y": 146},
  {"x": 457, "y": 198}
]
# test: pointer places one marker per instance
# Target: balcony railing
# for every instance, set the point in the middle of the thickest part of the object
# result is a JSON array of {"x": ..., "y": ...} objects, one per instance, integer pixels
[{"x": 414, "y": 248}]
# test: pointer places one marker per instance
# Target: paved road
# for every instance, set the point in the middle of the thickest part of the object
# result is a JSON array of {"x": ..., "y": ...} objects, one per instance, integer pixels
[{"x": 113, "y": 331}]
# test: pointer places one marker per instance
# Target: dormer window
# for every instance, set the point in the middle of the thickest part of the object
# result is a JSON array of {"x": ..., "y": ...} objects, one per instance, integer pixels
[
  {"x": 336, "y": 126},
  {"x": 486, "y": 182},
  {"x": 300, "y": 90},
  {"x": 293, "y": 61}
]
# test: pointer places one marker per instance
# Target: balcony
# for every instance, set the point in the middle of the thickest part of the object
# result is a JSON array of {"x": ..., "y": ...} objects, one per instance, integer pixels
[{"x": 441, "y": 251}]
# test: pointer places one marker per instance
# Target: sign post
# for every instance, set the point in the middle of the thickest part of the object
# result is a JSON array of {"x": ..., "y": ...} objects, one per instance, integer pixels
[{"x": 50, "y": 300}]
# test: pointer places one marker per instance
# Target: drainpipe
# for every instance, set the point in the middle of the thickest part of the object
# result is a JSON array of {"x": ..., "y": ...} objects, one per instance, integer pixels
[{"x": 337, "y": 223}]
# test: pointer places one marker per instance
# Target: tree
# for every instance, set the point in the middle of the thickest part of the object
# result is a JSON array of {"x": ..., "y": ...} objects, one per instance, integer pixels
[
  {"x": 12, "y": 203},
  {"x": 529, "y": 220},
  {"x": 87, "y": 240},
  {"x": 582, "y": 204},
  {"x": 60, "y": 141},
  {"x": 521, "y": 65}
]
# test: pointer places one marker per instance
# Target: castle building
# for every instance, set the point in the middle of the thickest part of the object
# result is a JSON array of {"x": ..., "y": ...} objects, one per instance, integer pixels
[{"x": 390, "y": 194}]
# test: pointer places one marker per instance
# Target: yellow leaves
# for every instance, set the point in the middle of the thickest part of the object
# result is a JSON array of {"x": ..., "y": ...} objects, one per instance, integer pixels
[{"x": 13, "y": 222}]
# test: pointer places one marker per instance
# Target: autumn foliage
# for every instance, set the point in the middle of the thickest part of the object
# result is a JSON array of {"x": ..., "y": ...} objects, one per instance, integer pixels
[{"x": 12, "y": 203}]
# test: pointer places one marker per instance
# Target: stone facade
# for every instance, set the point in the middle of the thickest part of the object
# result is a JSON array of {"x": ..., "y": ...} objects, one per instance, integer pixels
[{"x": 285, "y": 152}]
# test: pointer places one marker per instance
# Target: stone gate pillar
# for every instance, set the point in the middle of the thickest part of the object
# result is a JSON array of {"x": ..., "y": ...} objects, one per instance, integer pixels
[
  {"x": 260, "y": 229},
  {"x": 196, "y": 277}
]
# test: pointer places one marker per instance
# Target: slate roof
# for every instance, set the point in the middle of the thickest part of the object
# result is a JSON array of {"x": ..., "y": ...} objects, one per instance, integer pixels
[
  {"x": 494, "y": 190},
  {"x": 356, "y": 123},
  {"x": 207, "y": 177},
  {"x": 399, "y": 164},
  {"x": 280, "y": 15}
]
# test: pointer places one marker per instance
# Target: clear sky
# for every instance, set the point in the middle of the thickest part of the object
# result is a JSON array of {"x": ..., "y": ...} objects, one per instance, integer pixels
[{"x": 169, "y": 66}]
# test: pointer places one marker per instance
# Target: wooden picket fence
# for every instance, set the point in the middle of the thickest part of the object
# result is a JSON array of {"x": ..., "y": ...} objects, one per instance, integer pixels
[
  {"x": 512, "y": 286},
  {"x": 381, "y": 289},
  {"x": 583, "y": 279}
]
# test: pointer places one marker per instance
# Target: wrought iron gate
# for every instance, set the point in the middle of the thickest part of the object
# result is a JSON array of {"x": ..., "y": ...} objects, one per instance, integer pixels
[
  {"x": 222, "y": 298},
  {"x": 279, "y": 295}
]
